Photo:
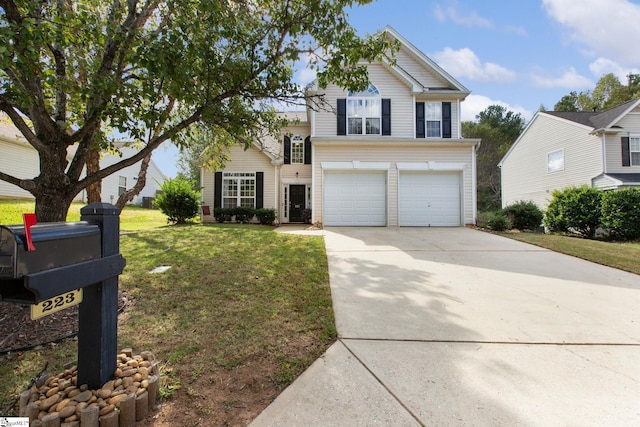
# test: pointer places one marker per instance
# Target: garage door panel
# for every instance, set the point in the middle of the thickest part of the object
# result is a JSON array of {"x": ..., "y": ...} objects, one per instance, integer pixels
[
  {"x": 355, "y": 198},
  {"x": 429, "y": 199}
]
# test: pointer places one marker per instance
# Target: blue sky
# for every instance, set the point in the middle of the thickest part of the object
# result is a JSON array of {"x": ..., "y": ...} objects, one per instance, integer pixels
[{"x": 517, "y": 53}]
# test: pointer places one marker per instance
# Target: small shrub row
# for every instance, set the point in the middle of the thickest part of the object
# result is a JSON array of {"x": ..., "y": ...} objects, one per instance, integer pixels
[
  {"x": 583, "y": 210},
  {"x": 243, "y": 215},
  {"x": 521, "y": 215}
]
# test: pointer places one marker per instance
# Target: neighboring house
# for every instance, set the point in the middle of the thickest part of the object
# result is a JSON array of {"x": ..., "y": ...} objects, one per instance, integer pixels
[
  {"x": 21, "y": 160},
  {"x": 392, "y": 155},
  {"x": 561, "y": 149}
]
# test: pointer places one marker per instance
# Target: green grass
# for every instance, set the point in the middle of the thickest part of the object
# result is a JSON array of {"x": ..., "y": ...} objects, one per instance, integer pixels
[
  {"x": 132, "y": 217},
  {"x": 623, "y": 256},
  {"x": 236, "y": 296}
]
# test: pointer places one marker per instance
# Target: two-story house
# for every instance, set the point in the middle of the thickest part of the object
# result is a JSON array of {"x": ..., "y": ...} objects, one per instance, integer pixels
[
  {"x": 392, "y": 155},
  {"x": 562, "y": 149}
]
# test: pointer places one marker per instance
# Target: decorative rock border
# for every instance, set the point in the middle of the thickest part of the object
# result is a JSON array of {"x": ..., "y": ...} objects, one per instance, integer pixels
[{"x": 58, "y": 401}]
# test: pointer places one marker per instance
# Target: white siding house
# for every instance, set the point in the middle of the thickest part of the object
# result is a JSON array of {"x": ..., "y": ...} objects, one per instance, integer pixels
[
  {"x": 392, "y": 155},
  {"x": 561, "y": 149}
]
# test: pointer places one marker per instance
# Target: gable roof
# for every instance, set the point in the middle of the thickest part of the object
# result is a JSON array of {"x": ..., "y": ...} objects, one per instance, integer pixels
[{"x": 598, "y": 120}]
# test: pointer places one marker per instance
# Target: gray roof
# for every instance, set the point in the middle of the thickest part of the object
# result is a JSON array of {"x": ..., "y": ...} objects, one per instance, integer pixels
[
  {"x": 595, "y": 119},
  {"x": 625, "y": 177}
]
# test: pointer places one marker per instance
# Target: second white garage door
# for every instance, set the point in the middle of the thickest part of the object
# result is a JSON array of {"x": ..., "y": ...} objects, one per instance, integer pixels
[
  {"x": 429, "y": 199},
  {"x": 355, "y": 198}
]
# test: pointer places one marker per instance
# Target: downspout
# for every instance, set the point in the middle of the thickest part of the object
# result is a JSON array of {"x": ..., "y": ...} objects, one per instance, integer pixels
[
  {"x": 314, "y": 214},
  {"x": 603, "y": 140},
  {"x": 474, "y": 193},
  {"x": 460, "y": 123}
]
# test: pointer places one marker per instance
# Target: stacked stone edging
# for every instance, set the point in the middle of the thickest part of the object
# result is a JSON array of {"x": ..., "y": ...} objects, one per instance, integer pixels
[{"x": 58, "y": 401}]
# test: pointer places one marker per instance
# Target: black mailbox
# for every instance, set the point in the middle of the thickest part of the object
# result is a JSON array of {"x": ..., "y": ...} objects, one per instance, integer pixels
[{"x": 67, "y": 256}]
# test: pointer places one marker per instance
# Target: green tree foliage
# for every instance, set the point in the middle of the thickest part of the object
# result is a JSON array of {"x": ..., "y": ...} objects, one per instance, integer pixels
[
  {"x": 178, "y": 200},
  {"x": 73, "y": 72},
  {"x": 498, "y": 129},
  {"x": 608, "y": 93},
  {"x": 575, "y": 209}
]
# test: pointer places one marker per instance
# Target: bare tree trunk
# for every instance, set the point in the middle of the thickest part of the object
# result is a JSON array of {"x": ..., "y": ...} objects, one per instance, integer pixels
[
  {"x": 128, "y": 195},
  {"x": 94, "y": 191}
]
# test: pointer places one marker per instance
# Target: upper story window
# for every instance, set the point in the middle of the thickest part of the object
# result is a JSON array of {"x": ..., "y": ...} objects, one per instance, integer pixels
[
  {"x": 364, "y": 112},
  {"x": 297, "y": 150},
  {"x": 555, "y": 161},
  {"x": 634, "y": 150},
  {"x": 122, "y": 185},
  {"x": 433, "y": 116}
]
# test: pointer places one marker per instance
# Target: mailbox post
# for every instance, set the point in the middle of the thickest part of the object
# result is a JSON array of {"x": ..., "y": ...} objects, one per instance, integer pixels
[
  {"x": 48, "y": 260},
  {"x": 98, "y": 311}
]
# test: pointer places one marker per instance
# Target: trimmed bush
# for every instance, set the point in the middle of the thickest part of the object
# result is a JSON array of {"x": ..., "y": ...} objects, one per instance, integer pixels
[
  {"x": 524, "y": 215},
  {"x": 621, "y": 213},
  {"x": 244, "y": 215},
  {"x": 499, "y": 222},
  {"x": 223, "y": 214},
  {"x": 575, "y": 209},
  {"x": 266, "y": 216},
  {"x": 306, "y": 216},
  {"x": 178, "y": 200}
]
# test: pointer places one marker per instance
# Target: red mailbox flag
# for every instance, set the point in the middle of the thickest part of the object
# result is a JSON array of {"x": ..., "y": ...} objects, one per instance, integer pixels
[{"x": 29, "y": 219}]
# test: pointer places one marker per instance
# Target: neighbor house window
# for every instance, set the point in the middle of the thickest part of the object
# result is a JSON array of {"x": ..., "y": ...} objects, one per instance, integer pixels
[
  {"x": 122, "y": 185},
  {"x": 239, "y": 189},
  {"x": 297, "y": 150},
  {"x": 433, "y": 116},
  {"x": 555, "y": 161},
  {"x": 634, "y": 150},
  {"x": 364, "y": 112}
]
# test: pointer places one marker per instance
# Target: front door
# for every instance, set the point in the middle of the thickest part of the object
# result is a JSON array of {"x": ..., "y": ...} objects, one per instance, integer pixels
[{"x": 296, "y": 202}]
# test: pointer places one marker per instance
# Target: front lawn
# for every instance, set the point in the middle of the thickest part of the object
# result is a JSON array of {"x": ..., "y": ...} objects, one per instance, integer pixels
[
  {"x": 241, "y": 313},
  {"x": 624, "y": 256}
]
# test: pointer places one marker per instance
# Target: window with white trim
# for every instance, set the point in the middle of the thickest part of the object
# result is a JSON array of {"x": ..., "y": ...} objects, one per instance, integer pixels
[
  {"x": 122, "y": 185},
  {"x": 364, "y": 112},
  {"x": 433, "y": 117},
  {"x": 555, "y": 161},
  {"x": 634, "y": 150},
  {"x": 238, "y": 189},
  {"x": 297, "y": 150}
]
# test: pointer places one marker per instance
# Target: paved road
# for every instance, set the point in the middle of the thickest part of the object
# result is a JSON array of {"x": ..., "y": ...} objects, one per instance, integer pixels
[{"x": 452, "y": 326}]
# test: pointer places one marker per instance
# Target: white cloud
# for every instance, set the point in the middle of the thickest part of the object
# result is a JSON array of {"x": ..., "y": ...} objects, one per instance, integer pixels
[
  {"x": 602, "y": 66},
  {"x": 570, "y": 79},
  {"x": 465, "y": 63},
  {"x": 519, "y": 31},
  {"x": 605, "y": 27},
  {"x": 305, "y": 76},
  {"x": 470, "y": 19},
  {"x": 475, "y": 104}
]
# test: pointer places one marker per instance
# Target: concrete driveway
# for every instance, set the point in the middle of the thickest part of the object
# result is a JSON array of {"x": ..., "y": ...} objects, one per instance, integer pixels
[{"x": 452, "y": 326}]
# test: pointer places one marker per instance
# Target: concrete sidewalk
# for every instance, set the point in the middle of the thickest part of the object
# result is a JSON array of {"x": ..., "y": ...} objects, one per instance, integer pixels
[{"x": 451, "y": 326}]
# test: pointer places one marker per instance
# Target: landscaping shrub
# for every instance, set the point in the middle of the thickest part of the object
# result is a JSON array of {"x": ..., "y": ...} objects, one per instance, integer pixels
[
  {"x": 223, "y": 214},
  {"x": 575, "y": 209},
  {"x": 178, "y": 200},
  {"x": 524, "y": 215},
  {"x": 244, "y": 215},
  {"x": 499, "y": 222},
  {"x": 621, "y": 213},
  {"x": 306, "y": 216},
  {"x": 266, "y": 216}
]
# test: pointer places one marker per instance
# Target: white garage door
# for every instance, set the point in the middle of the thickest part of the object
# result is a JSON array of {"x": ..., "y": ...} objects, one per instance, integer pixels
[
  {"x": 430, "y": 199},
  {"x": 355, "y": 198}
]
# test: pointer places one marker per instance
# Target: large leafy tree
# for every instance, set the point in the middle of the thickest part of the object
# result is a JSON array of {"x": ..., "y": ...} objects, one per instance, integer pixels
[
  {"x": 498, "y": 128},
  {"x": 608, "y": 93},
  {"x": 72, "y": 73}
]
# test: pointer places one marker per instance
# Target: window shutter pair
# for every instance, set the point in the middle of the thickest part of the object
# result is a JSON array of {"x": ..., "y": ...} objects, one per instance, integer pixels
[
  {"x": 626, "y": 152},
  {"x": 217, "y": 190},
  {"x": 420, "y": 120},
  {"x": 287, "y": 150},
  {"x": 342, "y": 117}
]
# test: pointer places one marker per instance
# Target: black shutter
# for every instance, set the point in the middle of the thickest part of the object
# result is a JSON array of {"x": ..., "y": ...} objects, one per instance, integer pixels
[
  {"x": 287, "y": 150},
  {"x": 626, "y": 153},
  {"x": 386, "y": 117},
  {"x": 420, "y": 120},
  {"x": 307, "y": 150},
  {"x": 446, "y": 120},
  {"x": 342, "y": 116},
  {"x": 217, "y": 190},
  {"x": 259, "y": 190}
]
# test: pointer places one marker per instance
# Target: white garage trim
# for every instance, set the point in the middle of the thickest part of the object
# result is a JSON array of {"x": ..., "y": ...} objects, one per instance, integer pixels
[
  {"x": 430, "y": 199},
  {"x": 431, "y": 166},
  {"x": 354, "y": 197},
  {"x": 356, "y": 165}
]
